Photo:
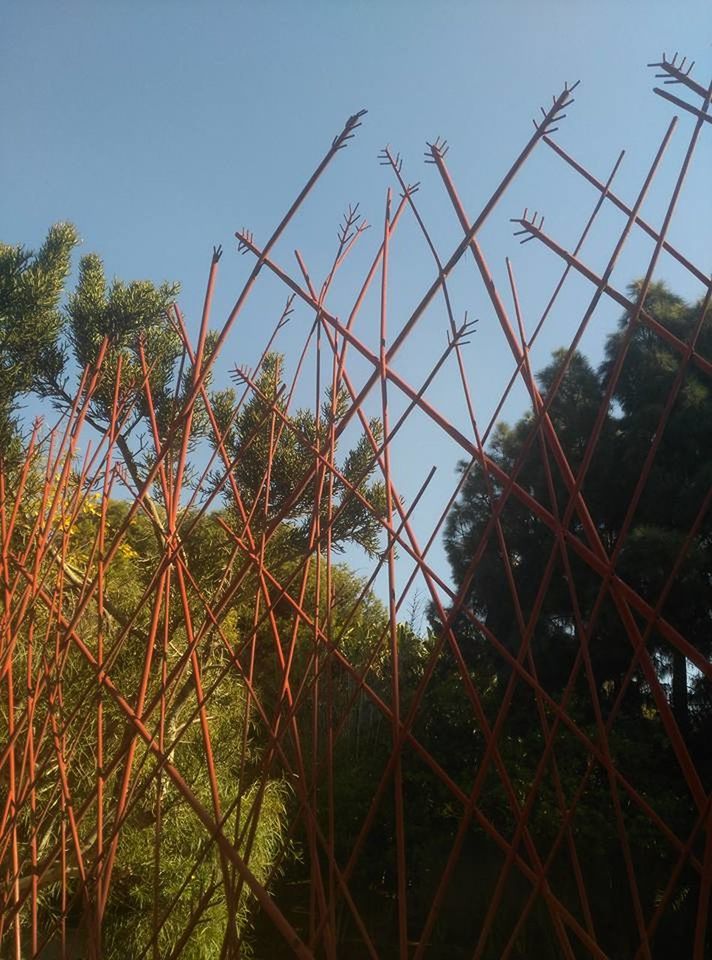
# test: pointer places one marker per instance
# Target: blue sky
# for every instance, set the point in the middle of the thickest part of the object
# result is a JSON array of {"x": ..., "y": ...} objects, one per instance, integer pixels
[{"x": 160, "y": 128}]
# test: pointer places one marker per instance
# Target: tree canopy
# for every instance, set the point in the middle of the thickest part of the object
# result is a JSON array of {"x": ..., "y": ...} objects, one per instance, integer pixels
[
  {"x": 31, "y": 320},
  {"x": 644, "y": 526},
  {"x": 46, "y": 346},
  {"x": 221, "y": 617},
  {"x": 637, "y": 435}
]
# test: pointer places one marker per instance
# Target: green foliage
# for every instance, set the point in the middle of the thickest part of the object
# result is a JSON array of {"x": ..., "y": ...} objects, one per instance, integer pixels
[
  {"x": 31, "y": 322},
  {"x": 127, "y": 314},
  {"x": 45, "y": 349},
  {"x": 654, "y": 534},
  {"x": 255, "y": 431},
  {"x": 189, "y": 865},
  {"x": 281, "y": 478}
]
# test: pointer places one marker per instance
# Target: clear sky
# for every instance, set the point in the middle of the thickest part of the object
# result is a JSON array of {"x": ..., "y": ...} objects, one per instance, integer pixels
[{"x": 160, "y": 128}]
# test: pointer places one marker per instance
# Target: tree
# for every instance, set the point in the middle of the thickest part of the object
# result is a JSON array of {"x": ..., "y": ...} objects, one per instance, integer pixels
[
  {"x": 679, "y": 479},
  {"x": 188, "y": 867},
  {"x": 648, "y": 539},
  {"x": 31, "y": 322},
  {"x": 289, "y": 444},
  {"x": 45, "y": 349}
]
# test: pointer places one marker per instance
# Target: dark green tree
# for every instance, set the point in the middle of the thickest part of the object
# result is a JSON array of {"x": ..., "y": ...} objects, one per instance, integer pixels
[
  {"x": 650, "y": 537},
  {"x": 679, "y": 481},
  {"x": 646, "y": 522}
]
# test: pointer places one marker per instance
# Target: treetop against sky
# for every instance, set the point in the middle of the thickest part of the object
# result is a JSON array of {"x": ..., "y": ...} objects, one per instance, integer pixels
[{"x": 160, "y": 130}]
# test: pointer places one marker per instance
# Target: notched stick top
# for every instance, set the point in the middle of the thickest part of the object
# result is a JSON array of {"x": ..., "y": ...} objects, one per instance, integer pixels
[
  {"x": 287, "y": 312},
  {"x": 466, "y": 328},
  {"x": 673, "y": 68},
  {"x": 347, "y": 133},
  {"x": 245, "y": 240},
  {"x": 436, "y": 150},
  {"x": 528, "y": 224},
  {"x": 553, "y": 115},
  {"x": 674, "y": 72},
  {"x": 350, "y": 222},
  {"x": 387, "y": 159}
]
